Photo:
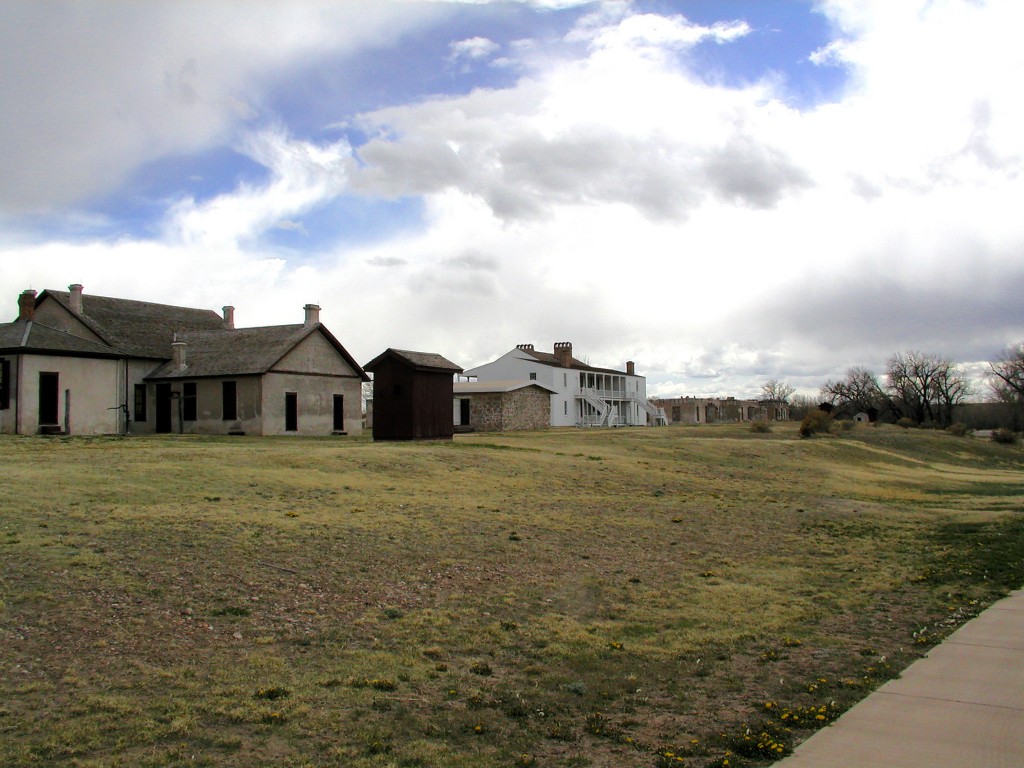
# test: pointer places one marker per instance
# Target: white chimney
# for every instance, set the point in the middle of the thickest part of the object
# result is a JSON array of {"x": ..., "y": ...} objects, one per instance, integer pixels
[
  {"x": 76, "y": 298},
  {"x": 178, "y": 351},
  {"x": 229, "y": 318},
  {"x": 312, "y": 314}
]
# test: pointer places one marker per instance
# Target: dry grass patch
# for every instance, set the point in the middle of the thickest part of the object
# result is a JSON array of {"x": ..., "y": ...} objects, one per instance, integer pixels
[{"x": 554, "y": 598}]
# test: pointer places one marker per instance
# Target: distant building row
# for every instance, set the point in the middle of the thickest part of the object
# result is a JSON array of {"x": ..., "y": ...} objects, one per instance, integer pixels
[
  {"x": 710, "y": 410},
  {"x": 74, "y": 363}
]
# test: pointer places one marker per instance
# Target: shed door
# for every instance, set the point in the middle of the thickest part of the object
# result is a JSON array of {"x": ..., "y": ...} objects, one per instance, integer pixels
[
  {"x": 49, "y": 388},
  {"x": 464, "y": 412}
]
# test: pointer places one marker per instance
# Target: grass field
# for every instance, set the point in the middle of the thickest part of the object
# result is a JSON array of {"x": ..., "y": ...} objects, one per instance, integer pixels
[{"x": 662, "y": 597}]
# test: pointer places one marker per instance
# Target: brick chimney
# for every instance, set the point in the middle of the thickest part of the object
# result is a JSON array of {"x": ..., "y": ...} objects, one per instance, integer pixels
[
  {"x": 27, "y": 306},
  {"x": 312, "y": 314},
  {"x": 563, "y": 353},
  {"x": 630, "y": 368},
  {"x": 178, "y": 352},
  {"x": 229, "y": 318},
  {"x": 76, "y": 298}
]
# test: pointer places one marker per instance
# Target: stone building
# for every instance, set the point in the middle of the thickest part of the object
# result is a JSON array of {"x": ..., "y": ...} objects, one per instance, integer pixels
[
  {"x": 499, "y": 406},
  {"x": 712, "y": 410}
]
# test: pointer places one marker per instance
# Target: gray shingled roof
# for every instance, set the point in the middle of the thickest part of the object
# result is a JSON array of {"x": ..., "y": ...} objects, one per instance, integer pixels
[
  {"x": 548, "y": 358},
  {"x": 510, "y": 385},
  {"x": 242, "y": 351},
  {"x": 139, "y": 328},
  {"x": 420, "y": 361},
  {"x": 20, "y": 338}
]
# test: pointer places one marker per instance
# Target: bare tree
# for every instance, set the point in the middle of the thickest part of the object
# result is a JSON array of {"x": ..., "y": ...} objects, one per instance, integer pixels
[
  {"x": 801, "y": 405},
  {"x": 777, "y": 391},
  {"x": 925, "y": 387},
  {"x": 909, "y": 378},
  {"x": 367, "y": 393},
  {"x": 952, "y": 387},
  {"x": 1006, "y": 379},
  {"x": 860, "y": 391},
  {"x": 1006, "y": 374}
]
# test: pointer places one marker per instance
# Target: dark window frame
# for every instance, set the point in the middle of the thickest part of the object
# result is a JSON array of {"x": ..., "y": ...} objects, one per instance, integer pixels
[
  {"x": 45, "y": 407},
  {"x": 339, "y": 413},
  {"x": 291, "y": 411},
  {"x": 140, "y": 410},
  {"x": 5, "y": 384},
  {"x": 189, "y": 401},
  {"x": 229, "y": 400}
]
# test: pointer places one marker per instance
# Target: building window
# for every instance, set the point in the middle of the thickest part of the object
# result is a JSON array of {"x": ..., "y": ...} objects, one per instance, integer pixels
[
  {"x": 140, "y": 402},
  {"x": 565, "y": 380},
  {"x": 291, "y": 412},
  {"x": 565, "y": 407},
  {"x": 533, "y": 376},
  {"x": 5, "y": 384},
  {"x": 188, "y": 401},
  {"x": 230, "y": 400}
]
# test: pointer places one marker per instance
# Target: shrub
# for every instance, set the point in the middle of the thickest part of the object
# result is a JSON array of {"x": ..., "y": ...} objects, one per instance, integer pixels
[
  {"x": 815, "y": 422},
  {"x": 1005, "y": 436},
  {"x": 843, "y": 425},
  {"x": 906, "y": 423},
  {"x": 761, "y": 427},
  {"x": 959, "y": 429}
]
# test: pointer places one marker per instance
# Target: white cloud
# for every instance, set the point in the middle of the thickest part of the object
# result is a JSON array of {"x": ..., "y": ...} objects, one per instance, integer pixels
[
  {"x": 618, "y": 127},
  {"x": 303, "y": 175},
  {"x": 91, "y": 90},
  {"x": 650, "y": 33},
  {"x": 717, "y": 236},
  {"x": 472, "y": 49}
]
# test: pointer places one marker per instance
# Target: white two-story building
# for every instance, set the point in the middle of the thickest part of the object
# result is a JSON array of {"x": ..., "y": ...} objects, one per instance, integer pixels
[{"x": 582, "y": 395}]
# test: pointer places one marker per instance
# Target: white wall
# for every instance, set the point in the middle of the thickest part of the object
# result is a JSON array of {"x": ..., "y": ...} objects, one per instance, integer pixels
[
  {"x": 517, "y": 365},
  {"x": 91, "y": 387},
  {"x": 315, "y": 400}
]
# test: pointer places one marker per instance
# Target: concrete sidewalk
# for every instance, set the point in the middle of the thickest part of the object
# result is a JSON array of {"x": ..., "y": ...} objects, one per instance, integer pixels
[{"x": 962, "y": 706}]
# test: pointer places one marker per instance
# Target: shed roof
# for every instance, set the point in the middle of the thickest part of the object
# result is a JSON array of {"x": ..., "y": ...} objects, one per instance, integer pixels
[
  {"x": 32, "y": 337},
  {"x": 139, "y": 328},
  {"x": 420, "y": 361}
]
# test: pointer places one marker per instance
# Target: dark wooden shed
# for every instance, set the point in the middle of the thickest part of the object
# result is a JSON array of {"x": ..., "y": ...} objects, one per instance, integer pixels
[{"x": 412, "y": 395}]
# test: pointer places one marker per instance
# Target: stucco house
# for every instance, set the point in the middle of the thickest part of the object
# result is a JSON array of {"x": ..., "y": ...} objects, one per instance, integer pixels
[
  {"x": 74, "y": 363},
  {"x": 581, "y": 394}
]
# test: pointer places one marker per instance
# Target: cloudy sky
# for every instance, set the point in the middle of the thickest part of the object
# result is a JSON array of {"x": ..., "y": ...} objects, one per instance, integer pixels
[{"x": 724, "y": 192}]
